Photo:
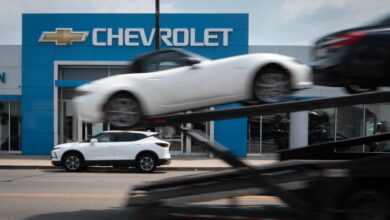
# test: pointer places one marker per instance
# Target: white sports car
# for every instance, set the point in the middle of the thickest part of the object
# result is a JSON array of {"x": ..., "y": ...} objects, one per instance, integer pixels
[{"x": 174, "y": 80}]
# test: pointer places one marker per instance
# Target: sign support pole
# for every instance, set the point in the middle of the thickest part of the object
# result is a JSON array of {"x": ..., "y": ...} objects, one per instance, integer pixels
[{"x": 157, "y": 36}]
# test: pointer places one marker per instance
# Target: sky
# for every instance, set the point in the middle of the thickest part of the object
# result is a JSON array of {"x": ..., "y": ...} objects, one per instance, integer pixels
[{"x": 271, "y": 22}]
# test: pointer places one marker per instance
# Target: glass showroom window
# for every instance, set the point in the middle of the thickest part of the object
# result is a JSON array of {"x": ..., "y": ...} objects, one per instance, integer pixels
[
  {"x": 377, "y": 120},
  {"x": 173, "y": 136},
  {"x": 10, "y": 129},
  {"x": 193, "y": 146},
  {"x": 322, "y": 124},
  {"x": 350, "y": 123},
  {"x": 254, "y": 135},
  {"x": 268, "y": 134},
  {"x": 197, "y": 147},
  {"x": 275, "y": 133}
]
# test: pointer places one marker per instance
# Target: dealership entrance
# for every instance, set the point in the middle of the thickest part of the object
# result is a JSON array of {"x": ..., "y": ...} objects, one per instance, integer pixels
[
  {"x": 71, "y": 128},
  {"x": 10, "y": 127}
]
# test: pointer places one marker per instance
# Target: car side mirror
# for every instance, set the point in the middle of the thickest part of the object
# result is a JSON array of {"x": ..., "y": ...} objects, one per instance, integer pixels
[
  {"x": 93, "y": 141},
  {"x": 192, "y": 61}
]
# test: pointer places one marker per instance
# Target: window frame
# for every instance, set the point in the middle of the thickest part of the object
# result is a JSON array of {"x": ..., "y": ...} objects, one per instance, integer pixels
[
  {"x": 111, "y": 136},
  {"x": 144, "y": 61},
  {"x": 137, "y": 137}
]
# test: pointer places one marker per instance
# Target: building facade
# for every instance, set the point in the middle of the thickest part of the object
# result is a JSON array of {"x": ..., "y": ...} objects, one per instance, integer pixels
[{"x": 62, "y": 51}]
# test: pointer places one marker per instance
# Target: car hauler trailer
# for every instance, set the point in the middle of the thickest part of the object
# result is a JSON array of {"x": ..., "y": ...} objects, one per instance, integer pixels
[{"x": 314, "y": 182}]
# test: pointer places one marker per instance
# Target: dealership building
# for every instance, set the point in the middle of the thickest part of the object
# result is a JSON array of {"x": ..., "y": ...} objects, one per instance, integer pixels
[{"x": 62, "y": 51}]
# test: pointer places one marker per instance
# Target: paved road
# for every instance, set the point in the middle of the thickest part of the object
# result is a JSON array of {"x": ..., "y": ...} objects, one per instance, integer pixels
[{"x": 54, "y": 194}]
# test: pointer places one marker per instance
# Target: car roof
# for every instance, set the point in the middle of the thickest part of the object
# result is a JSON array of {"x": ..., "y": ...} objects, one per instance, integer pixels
[
  {"x": 165, "y": 50},
  {"x": 147, "y": 133}
]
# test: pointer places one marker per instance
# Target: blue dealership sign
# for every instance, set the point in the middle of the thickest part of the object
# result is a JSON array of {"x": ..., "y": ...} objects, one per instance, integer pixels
[
  {"x": 48, "y": 38},
  {"x": 2, "y": 77}
]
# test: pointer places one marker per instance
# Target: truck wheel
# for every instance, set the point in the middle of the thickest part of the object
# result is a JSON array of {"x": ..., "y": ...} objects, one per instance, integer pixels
[{"x": 366, "y": 205}]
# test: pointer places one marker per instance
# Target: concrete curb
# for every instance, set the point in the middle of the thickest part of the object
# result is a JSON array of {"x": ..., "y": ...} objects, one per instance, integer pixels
[{"x": 102, "y": 169}]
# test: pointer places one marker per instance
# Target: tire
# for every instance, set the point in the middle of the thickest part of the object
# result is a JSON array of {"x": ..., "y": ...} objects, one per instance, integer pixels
[
  {"x": 74, "y": 162},
  {"x": 366, "y": 205},
  {"x": 356, "y": 89},
  {"x": 146, "y": 163},
  {"x": 122, "y": 110},
  {"x": 271, "y": 85}
]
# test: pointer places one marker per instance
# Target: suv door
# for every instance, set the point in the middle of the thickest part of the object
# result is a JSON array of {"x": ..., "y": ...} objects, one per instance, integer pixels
[
  {"x": 103, "y": 149},
  {"x": 127, "y": 145}
]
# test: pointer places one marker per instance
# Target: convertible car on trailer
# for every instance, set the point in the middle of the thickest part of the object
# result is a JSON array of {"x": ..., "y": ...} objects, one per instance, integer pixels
[{"x": 174, "y": 80}]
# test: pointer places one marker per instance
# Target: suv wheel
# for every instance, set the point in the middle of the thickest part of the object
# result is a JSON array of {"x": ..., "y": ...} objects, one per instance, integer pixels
[
  {"x": 146, "y": 163},
  {"x": 366, "y": 205},
  {"x": 73, "y": 162}
]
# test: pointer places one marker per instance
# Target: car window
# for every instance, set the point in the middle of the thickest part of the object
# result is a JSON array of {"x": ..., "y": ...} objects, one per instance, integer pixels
[
  {"x": 164, "y": 61},
  {"x": 141, "y": 136},
  {"x": 165, "y": 65},
  {"x": 104, "y": 137},
  {"x": 128, "y": 137}
]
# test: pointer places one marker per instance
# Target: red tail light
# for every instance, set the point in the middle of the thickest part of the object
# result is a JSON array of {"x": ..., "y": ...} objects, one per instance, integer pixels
[
  {"x": 348, "y": 39},
  {"x": 162, "y": 144}
]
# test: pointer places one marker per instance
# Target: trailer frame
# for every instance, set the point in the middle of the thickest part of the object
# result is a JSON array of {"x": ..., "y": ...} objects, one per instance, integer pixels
[{"x": 317, "y": 181}]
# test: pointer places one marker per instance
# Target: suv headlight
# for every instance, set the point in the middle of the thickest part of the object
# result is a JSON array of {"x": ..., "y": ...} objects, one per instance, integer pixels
[{"x": 53, "y": 155}]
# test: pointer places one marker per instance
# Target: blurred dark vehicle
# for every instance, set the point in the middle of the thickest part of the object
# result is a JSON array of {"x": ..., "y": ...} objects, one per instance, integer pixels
[{"x": 357, "y": 59}]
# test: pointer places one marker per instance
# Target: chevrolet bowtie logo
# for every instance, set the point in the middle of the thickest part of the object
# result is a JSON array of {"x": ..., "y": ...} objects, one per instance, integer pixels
[{"x": 64, "y": 36}]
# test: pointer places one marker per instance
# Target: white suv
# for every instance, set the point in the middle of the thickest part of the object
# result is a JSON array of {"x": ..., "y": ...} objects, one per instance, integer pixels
[{"x": 117, "y": 148}]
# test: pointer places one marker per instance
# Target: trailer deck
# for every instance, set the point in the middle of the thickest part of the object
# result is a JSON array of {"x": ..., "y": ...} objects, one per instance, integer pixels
[{"x": 319, "y": 181}]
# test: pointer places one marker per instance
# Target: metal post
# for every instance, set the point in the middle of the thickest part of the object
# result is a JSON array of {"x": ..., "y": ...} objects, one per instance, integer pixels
[
  {"x": 364, "y": 127},
  {"x": 9, "y": 126},
  {"x": 261, "y": 135},
  {"x": 336, "y": 113},
  {"x": 157, "y": 33}
]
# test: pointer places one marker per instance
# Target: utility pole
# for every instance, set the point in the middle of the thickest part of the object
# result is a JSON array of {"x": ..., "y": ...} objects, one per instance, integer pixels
[{"x": 157, "y": 33}]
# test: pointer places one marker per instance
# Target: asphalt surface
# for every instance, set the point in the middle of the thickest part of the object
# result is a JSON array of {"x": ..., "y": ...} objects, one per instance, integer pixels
[
  {"x": 96, "y": 194},
  {"x": 55, "y": 194}
]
